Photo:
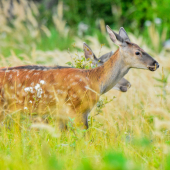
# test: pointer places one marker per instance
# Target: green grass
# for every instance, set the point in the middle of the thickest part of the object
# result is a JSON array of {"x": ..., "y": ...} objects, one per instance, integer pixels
[{"x": 25, "y": 148}]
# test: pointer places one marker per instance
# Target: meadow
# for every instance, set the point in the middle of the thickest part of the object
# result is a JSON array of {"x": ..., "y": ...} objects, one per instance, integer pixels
[{"x": 128, "y": 131}]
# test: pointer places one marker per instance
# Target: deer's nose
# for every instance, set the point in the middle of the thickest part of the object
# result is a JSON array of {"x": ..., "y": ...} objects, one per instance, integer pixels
[
  {"x": 157, "y": 64},
  {"x": 123, "y": 88}
]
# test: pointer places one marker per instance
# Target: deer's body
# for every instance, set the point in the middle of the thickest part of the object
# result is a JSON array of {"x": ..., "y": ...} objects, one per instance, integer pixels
[
  {"x": 80, "y": 88},
  {"x": 77, "y": 89}
]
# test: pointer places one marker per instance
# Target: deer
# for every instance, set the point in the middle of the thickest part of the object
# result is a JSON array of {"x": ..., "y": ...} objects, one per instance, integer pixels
[
  {"x": 39, "y": 89},
  {"x": 123, "y": 85}
]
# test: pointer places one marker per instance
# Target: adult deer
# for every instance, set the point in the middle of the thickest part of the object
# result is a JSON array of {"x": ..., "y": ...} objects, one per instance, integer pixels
[
  {"x": 41, "y": 88},
  {"x": 123, "y": 85}
]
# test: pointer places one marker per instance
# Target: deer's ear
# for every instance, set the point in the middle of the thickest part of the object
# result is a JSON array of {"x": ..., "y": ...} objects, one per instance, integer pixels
[
  {"x": 88, "y": 52},
  {"x": 123, "y": 34},
  {"x": 116, "y": 38}
]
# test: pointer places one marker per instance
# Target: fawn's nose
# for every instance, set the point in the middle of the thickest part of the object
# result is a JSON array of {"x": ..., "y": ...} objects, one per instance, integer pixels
[{"x": 123, "y": 88}]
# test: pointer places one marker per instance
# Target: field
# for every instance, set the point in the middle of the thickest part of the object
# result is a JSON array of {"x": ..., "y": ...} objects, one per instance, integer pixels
[{"x": 128, "y": 131}]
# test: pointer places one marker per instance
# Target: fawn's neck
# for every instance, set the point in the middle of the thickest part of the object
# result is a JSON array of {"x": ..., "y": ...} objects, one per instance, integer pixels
[{"x": 110, "y": 72}]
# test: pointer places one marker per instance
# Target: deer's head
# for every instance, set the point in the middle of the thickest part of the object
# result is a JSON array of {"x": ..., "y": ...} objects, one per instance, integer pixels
[
  {"x": 123, "y": 85},
  {"x": 133, "y": 55}
]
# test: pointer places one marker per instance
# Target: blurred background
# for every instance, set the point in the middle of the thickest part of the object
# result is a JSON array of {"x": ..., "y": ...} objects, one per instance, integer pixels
[{"x": 48, "y": 25}]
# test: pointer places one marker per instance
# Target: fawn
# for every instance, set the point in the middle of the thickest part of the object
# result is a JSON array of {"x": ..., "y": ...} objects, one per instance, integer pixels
[{"x": 42, "y": 89}]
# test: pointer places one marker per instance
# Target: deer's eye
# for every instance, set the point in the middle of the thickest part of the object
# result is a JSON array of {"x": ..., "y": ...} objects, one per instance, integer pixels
[{"x": 137, "y": 53}]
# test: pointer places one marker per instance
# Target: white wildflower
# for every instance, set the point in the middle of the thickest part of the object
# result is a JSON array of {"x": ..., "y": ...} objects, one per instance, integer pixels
[
  {"x": 31, "y": 90},
  {"x": 30, "y": 101},
  {"x": 39, "y": 92},
  {"x": 27, "y": 89},
  {"x": 25, "y": 108},
  {"x": 148, "y": 23},
  {"x": 158, "y": 21},
  {"x": 37, "y": 86},
  {"x": 42, "y": 82}
]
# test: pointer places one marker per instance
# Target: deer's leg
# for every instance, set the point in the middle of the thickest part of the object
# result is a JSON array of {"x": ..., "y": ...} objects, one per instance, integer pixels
[
  {"x": 82, "y": 121},
  {"x": 62, "y": 124}
]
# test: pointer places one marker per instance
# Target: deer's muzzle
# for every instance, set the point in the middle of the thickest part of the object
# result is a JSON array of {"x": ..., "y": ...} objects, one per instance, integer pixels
[{"x": 154, "y": 66}]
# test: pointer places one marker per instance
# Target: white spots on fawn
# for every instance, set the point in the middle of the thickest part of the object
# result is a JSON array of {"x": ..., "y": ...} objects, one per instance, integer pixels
[
  {"x": 77, "y": 76},
  {"x": 27, "y": 77},
  {"x": 10, "y": 77},
  {"x": 45, "y": 95},
  {"x": 32, "y": 84},
  {"x": 25, "y": 70},
  {"x": 45, "y": 69},
  {"x": 50, "y": 96},
  {"x": 71, "y": 79},
  {"x": 87, "y": 78},
  {"x": 7, "y": 71},
  {"x": 74, "y": 83},
  {"x": 13, "y": 96},
  {"x": 19, "y": 85},
  {"x": 59, "y": 91},
  {"x": 17, "y": 73},
  {"x": 20, "y": 101},
  {"x": 36, "y": 73},
  {"x": 74, "y": 96},
  {"x": 30, "y": 71},
  {"x": 80, "y": 80},
  {"x": 42, "y": 82},
  {"x": 68, "y": 87},
  {"x": 12, "y": 87},
  {"x": 30, "y": 101}
]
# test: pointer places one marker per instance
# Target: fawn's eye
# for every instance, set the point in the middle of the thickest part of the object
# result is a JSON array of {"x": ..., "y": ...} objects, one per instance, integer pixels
[{"x": 137, "y": 53}]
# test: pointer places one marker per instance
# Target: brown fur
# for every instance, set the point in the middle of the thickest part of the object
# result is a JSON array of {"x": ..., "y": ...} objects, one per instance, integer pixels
[{"x": 66, "y": 86}]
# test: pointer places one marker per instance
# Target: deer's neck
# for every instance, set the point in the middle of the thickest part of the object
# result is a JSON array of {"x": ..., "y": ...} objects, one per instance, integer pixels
[{"x": 110, "y": 72}]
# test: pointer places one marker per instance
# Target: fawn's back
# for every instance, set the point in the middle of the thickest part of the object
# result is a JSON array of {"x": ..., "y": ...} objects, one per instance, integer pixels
[{"x": 42, "y": 89}]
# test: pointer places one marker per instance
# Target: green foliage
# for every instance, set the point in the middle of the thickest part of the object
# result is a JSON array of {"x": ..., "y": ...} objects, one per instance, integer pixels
[
  {"x": 54, "y": 41},
  {"x": 115, "y": 161},
  {"x": 101, "y": 104},
  {"x": 162, "y": 84}
]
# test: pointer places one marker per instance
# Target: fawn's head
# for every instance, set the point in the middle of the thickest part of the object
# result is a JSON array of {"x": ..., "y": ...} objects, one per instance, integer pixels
[
  {"x": 123, "y": 85},
  {"x": 133, "y": 55}
]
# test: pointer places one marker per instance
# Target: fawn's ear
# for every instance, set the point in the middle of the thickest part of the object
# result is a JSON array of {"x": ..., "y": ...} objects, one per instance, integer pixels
[
  {"x": 116, "y": 38},
  {"x": 89, "y": 53},
  {"x": 123, "y": 34}
]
